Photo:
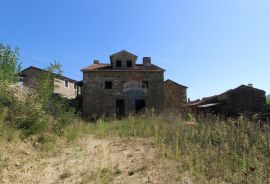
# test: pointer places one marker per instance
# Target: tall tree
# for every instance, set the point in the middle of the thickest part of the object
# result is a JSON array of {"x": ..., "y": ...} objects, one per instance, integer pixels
[{"x": 9, "y": 64}]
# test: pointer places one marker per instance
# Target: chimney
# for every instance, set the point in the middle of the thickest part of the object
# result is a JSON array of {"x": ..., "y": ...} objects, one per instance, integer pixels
[
  {"x": 96, "y": 61},
  {"x": 147, "y": 61},
  {"x": 250, "y": 85}
]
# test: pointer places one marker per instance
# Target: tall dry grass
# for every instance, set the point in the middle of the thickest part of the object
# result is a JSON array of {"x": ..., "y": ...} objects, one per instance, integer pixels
[{"x": 213, "y": 150}]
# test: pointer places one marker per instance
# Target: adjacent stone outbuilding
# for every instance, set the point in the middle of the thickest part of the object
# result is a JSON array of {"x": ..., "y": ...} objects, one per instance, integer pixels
[
  {"x": 241, "y": 100},
  {"x": 175, "y": 96}
]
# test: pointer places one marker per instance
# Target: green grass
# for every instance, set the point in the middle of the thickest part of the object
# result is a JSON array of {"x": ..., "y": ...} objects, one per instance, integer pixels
[{"x": 213, "y": 150}]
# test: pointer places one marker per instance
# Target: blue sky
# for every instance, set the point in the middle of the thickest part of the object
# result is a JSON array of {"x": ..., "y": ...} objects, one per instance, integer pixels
[{"x": 208, "y": 45}]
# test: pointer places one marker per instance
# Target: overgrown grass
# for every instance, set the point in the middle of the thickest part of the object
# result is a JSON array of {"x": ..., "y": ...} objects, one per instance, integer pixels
[{"x": 213, "y": 150}]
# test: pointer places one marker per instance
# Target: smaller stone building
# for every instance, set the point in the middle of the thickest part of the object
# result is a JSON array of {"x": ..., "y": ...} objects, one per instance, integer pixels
[
  {"x": 63, "y": 86},
  {"x": 241, "y": 100},
  {"x": 175, "y": 96}
]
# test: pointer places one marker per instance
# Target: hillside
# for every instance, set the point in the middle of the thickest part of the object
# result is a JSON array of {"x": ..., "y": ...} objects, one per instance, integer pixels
[
  {"x": 141, "y": 149},
  {"x": 90, "y": 160}
]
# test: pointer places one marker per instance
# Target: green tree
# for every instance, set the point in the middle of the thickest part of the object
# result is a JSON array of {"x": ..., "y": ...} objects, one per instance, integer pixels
[
  {"x": 54, "y": 105},
  {"x": 45, "y": 89},
  {"x": 9, "y": 65}
]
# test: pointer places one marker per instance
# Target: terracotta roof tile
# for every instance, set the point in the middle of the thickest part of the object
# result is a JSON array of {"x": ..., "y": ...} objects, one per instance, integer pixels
[{"x": 107, "y": 67}]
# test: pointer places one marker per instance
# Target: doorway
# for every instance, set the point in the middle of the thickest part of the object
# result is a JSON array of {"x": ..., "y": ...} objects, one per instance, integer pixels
[
  {"x": 120, "y": 108},
  {"x": 139, "y": 105}
]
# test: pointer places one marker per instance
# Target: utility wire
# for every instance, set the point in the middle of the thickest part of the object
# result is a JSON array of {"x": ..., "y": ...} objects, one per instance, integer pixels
[{"x": 44, "y": 65}]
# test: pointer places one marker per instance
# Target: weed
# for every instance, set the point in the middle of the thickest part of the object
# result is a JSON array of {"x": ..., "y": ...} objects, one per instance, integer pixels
[
  {"x": 86, "y": 177},
  {"x": 212, "y": 150},
  {"x": 64, "y": 175}
]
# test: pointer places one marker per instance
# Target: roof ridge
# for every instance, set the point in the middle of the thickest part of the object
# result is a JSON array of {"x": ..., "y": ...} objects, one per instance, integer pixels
[{"x": 55, "y": 74}]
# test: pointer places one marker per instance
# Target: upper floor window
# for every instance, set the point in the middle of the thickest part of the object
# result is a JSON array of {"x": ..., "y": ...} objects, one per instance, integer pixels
[
  {"x": 144, "y": 84},
  {"x": 75, "y": 86},
  {"x": 108, "y": 84},
  {"x": 66, "y": 83},
  {"x": 118, "y": 63},
  {"x": 129, "y": 63}
]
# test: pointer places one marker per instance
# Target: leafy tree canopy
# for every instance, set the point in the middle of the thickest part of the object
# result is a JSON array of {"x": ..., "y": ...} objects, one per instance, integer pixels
[{"x": 9, "y": 65}]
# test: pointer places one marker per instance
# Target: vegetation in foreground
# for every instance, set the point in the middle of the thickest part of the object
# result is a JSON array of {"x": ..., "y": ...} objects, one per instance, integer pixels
[{"x": 233, "y": 151}]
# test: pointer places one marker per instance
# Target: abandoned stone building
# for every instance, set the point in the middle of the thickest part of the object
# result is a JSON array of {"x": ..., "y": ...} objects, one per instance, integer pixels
[
  {"x": 122, "y": 86},
  {"x": 63, "y": 86},
  {"x": 241, "y": 100}
]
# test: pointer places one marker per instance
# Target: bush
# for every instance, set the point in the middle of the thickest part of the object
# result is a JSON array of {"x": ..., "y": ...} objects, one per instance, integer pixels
[
  {"x": 22, "y": 112},
  {"x": 31, "y": 111},
  {"x": 54, "y": 105},
  {"x": 35, "y": 112}
]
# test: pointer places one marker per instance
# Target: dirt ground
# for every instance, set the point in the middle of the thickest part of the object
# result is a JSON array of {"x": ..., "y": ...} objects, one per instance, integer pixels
[{"x": 88, "y": 160}]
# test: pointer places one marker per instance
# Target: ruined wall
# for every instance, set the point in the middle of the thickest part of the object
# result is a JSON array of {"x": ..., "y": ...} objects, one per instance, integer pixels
[
  {"x": 98, "y": 101},
  {"x": 175, "y": 97},
  {"x": 238, "y": 101},
  {"x": 243, "y": 100}
]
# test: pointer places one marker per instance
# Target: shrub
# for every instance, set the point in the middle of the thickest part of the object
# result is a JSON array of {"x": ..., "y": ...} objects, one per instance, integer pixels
[
  {"x": 54, "y": 105},
  {"x": 22, "y": 112},
  {"x": 32, "y": 111}
]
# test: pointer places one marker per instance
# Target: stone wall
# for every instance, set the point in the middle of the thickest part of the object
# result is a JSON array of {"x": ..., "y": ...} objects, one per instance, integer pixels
[
  {"x": 175, "y": 97},
  {"x": 98, "y": 101},
  {"x": 30, "y": 78}
]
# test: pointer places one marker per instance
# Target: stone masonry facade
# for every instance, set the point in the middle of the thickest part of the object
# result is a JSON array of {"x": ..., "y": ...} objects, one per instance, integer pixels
[
  {"x": 122, "y": 87},
  {"x": 175, "y": 96}
]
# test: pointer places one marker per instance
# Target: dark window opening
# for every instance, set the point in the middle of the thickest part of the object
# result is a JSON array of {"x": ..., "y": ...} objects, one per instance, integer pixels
[
  {"x": 129, "y": 63},
  {"x": 139, "y": 105},
  {"x": 75, "y": 86},
  {"x": 66, "y": 83},
  {"x": 144, "y": 84},
  {"x": 108, "y": 84},
  {"x": 118, "y": 63}
]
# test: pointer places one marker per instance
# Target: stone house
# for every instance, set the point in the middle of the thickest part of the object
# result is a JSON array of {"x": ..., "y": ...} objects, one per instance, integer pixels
[
  {"x": 64, "y": 86},
  {"x": 244, "y": 99},
  {"x": 122, "y": 86},
  {"x": 175, "y": 96}
]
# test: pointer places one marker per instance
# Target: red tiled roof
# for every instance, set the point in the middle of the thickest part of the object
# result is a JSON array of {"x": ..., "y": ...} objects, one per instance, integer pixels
[
  {"x": 107, "y": 67},
  {"x": 99, "y": 66}
]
